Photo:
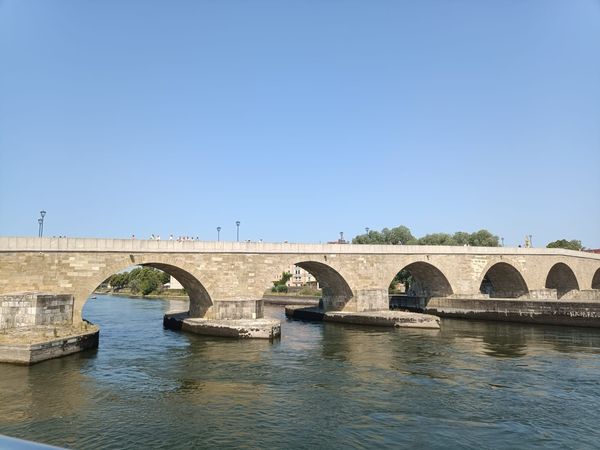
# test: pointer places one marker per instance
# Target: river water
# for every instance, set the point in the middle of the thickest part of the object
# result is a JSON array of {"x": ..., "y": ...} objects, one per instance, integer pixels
[{"x": 470, "y": 385}]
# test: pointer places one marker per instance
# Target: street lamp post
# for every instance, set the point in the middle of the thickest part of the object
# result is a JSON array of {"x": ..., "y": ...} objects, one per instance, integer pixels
[
  {"x": 41, "y": 223},
  {"x": 530, "y": 241},
  {"x": 218, "y": 233},
  {"x": 237, "y": 224},
  {"x": 502, "y": 239}
]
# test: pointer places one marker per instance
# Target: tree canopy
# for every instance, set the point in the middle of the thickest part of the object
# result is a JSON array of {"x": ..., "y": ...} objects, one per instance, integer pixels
[
  {"x": 394, "y": 236},
  {"x": 402, "y": 235},
  {"x": 563, "y": 243},
  {"x": 141, "y": 279},
  {"x": 281, "y": 284}
]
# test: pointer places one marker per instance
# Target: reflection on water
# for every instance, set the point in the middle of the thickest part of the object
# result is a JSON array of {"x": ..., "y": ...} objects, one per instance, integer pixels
[{"x": 469, "y": 385}]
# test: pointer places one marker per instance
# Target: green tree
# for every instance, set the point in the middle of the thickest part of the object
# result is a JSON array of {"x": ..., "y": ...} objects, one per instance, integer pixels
[
  {"x": 164, "y": 277},
  {"x": 461, "y": 238},
  {"x": 563, "y": 243},
  {"x": 393, "y": 236},
  {"x": 119, "y": 280},
  {"x": 145, "y": 280},
  {"x": 402, "y": 235},
  {"x": 281, "y": 284},
  {"x": 403, "y": 277},
  {"x": 437, "y": 239},
  {"x": 483, "y": 238}
]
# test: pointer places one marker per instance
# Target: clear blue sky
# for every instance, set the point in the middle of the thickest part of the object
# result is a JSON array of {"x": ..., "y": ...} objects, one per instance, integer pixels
[{"x": 300, "y": 118}]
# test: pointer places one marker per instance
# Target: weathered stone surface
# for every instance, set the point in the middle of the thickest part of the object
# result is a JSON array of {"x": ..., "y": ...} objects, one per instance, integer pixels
[
  {"x": 33, "y": 308},
  {"x": 36, "y": 326},
  {"x": 385, "y": 318},
  {"x": 283, "y": 300},
  {"x": 398, "y": 319},
  {"x": 31, "y": 345},
  {"x": 553, "y": 312},
  {"x": 263, "y": 328}
]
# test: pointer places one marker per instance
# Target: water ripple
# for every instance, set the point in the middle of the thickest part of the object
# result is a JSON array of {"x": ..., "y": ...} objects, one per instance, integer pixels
[{"x": 470, "y": 385}]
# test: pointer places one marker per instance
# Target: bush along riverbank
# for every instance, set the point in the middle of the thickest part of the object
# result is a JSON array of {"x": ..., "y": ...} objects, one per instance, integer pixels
[{"x": 175, "y": 294}]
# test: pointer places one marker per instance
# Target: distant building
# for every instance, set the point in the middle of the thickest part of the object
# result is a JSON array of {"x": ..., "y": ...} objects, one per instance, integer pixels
[
  {"x": 592, "y": 250},
  {"x": 174, "y": 284},
  {"x": 301, "y": 278}
]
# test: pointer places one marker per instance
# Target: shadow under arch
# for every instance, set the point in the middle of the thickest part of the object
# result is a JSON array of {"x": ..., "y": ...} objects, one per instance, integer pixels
[
  {"x": 336, "y": 291},
  {"x": 562, "y": 278},
  {"x": 200, "y": 301},
  {"x": 596, "y": 280},
  {"x": 503, "y": 281},
  {"x": 426, "y": 281}
]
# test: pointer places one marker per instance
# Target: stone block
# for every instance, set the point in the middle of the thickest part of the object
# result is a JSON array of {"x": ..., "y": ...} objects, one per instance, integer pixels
[{"x": 28, "y": 309}]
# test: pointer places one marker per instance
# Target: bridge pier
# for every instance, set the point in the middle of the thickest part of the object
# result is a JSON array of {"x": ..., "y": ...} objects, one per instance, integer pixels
[
  {"x": 374, "y": 299},
  {"x": 359, "y": 300},
  {"x": 37, "y": 326},
  {"x": 242, "y": 319},
  {"x": 236, "y": 310},
  {"x": 368, "y": 306}
]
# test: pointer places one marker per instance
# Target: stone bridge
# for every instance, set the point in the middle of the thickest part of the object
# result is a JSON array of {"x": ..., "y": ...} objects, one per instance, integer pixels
[{"x": 226, "y": 280}]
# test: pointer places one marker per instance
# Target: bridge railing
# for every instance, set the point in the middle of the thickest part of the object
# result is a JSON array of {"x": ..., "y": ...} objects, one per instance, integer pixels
[{"x": 53, "y": 244}]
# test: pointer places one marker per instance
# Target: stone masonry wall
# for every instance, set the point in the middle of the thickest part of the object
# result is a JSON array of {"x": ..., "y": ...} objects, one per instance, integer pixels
[{"x": 29, "y": 309}]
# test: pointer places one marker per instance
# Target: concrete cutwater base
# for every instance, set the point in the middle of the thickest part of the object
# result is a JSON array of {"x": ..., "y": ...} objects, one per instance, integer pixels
[
  {"x": 574, "y": 313},
  {"x": 264, "y": 328},
  {"x": 28, "y": 346},
  {"x": 400, "y": 319}
]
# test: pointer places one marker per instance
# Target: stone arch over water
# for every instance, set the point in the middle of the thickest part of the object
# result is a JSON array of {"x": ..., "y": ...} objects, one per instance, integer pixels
[
  {"x": 426, "y": 280},
  {"x": 562, "y": 278},
  {"x": 336, "y": 290},
  {"x": 503, "y": 280},
  {"x": 200, "y": 299}
]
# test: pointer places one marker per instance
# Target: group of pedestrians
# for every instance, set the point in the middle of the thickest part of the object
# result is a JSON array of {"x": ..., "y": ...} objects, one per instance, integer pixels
[
  {"x": 156, "y": 237},
  {"x": 184, "y": 238}
]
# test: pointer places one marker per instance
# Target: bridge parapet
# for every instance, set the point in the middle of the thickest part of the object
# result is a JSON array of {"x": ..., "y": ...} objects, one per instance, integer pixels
[{"x": 53, "y": 244}]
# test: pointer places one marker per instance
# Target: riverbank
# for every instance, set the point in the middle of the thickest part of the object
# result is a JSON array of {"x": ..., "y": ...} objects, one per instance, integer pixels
[
  {"x": 177, "y": 295},
  {"x": 269, "y": 299}
]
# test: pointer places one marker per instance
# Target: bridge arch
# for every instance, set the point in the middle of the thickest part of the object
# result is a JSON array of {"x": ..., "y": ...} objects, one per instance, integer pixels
[
  {"x": 426, "y": 280},
  {"x": 503, "y": 280},
  {"x": 562, "y": 278},
  {"x": 200, "y": 299},
  {"x": 336, "y": 290},
  {"x": 596, "y": 280}
]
